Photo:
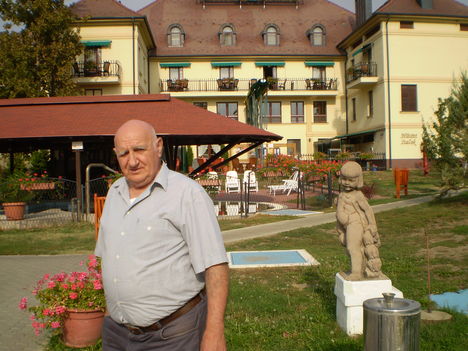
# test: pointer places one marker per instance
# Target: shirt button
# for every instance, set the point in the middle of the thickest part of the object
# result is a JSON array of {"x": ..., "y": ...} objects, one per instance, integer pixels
[
  {"x": 115, "y": 280},
  {"x": 122, "y": 233},
  {"x": 117, "y": 256},
  {"x": 148, "y": 228}
]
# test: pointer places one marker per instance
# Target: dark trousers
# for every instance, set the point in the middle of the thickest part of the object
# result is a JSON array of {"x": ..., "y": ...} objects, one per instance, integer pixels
[{"x": 184, "y": 334}]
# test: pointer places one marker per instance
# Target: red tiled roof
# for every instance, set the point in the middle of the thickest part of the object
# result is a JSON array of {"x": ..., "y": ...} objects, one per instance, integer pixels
[
  {"x": 102, "y": 8},
  {"x": 201, "y": 27},
  {"x": 439, "y": 8},
  {"x": 84, "y": 116}
]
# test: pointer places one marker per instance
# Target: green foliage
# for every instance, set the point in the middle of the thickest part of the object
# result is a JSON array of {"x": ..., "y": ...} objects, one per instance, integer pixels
[
  {"x": 39, "y": 160},
  {"x": 11, "y": 189},
  {"x": 446, "y": 140},
  {"x": 37, "y": 60},
  {"x": 189, "y": 156}
]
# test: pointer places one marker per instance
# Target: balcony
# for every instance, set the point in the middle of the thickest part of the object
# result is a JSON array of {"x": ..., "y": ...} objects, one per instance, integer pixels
[
  {"x": 362, "y": 74},
  {"x": 306, "y": 86},
  {"x": 107, "y": 72}
]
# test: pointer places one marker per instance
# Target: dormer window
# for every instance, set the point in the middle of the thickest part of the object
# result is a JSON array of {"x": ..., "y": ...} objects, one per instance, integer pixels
[
  {"x": 175, "y": 36},
  {"x": 316, "y": 35},
  {"x": 227, "y": 35},
  {"x": 271, "y": 35}
]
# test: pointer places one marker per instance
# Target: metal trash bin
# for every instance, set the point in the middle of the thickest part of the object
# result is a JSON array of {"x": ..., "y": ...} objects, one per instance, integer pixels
[{"x": 391, "y": 324}]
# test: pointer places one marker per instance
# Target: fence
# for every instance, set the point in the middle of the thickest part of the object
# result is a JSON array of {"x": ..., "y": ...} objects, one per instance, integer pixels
[
  {"x": 52, "y": 203},
  {"x": 273, "y": 194}
]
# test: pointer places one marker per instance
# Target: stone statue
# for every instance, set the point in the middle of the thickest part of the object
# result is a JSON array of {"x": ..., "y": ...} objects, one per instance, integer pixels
[{"x": 356, "y": 226}]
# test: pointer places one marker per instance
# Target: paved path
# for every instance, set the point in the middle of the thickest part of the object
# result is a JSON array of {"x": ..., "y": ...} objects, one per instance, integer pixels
[{"x": 18, "y": 274}]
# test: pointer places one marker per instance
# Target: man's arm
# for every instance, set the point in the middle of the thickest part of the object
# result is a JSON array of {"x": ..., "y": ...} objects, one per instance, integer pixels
[{"x": 217, "y": 286}]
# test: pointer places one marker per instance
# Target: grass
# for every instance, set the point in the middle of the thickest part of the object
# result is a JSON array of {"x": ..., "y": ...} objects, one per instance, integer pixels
[{"x": 294, "y": 308}]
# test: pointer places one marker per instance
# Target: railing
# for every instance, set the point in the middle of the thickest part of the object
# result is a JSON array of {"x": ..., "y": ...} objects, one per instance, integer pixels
[
  {"x": 102, "y": 69},
  {"x": 250, "y": 2},
  {"x": 277, "y": 84},
  {"x": 362, "y": 69}
]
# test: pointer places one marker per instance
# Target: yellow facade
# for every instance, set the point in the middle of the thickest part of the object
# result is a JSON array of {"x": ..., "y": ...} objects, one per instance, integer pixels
[{"x": 363, "y": 110}]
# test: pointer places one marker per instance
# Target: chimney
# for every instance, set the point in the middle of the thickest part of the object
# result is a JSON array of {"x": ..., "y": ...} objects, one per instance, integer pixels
[
  {"x": 425, "y": 4},
  {"x": 364, "y": 10}
]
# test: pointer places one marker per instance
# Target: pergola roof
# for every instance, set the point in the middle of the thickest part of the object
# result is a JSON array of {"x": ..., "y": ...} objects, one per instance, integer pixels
[
  {"x": 74, "y": 118},
  {"x": 51, "y": 123}
]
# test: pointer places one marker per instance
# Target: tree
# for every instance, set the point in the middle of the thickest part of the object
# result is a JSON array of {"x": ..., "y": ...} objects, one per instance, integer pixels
[
  {"x": 37, "y": 60},
  {"x": 446, "y": 139}
]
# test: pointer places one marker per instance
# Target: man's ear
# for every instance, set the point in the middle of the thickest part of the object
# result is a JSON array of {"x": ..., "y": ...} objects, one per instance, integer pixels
[{"x": 160, "y": 146}]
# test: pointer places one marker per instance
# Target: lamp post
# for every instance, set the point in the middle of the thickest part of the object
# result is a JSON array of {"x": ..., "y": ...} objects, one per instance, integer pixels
[{"x": 77, "y": 147}]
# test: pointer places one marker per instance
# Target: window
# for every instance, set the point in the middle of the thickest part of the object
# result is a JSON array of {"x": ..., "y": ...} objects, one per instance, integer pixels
[
  {"x": 226, "y": 72},
  {"x": 297, "y": 111},
  {"x": 371, "y": 103},
  {"x": 271, "y": 35},
  {"x": 92, "y": 60},
  {"x": 316, "y": 35},
  {"x": 269, "y": 72},
  {"x": 227, "y": 36},
  {"x": 406, "y": 24},
  {"x": 409, "y": 98},
  {"x": 202, "y": 104},
  {"x": 176, "y": 73},
  {"x": 93, "y": 92},
  {"x": 294, "y": 147},
  {"x": 273, "y": 113},
  {"x": 320, "y": 112},
  {"x": 227, "y": 109},
  {"x": 318, "y": 73},
  {"x": 353, "y": 106},
  {"x": 175, "y": 36},
  {"x": 464, "y": 26}
]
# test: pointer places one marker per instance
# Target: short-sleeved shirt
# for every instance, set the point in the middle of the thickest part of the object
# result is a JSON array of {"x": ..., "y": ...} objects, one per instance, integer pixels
[{"x": 155, "y": 249}]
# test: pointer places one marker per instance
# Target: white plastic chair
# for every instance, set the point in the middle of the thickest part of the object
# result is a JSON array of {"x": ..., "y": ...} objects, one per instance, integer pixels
[
  {"x": 233, "y": 208},
  {"x": 232, "y": 184},
  {"x": 214, "y": 176},
  {"x": 250, "y": 181}
]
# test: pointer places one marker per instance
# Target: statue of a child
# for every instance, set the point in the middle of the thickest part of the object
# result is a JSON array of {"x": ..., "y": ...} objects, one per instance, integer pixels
[{"x": 356, "y": 225}]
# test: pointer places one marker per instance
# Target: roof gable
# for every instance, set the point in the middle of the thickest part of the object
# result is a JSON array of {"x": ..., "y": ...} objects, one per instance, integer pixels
[
  {"x": 439, "y": 8},
  {"x": 101, "y": 8}
]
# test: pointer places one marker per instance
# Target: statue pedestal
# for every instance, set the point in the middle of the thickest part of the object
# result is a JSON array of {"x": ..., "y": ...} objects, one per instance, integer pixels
[{"x": 350, "y": 296}]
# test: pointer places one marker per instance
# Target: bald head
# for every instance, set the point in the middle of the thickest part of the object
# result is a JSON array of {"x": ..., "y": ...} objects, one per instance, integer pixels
[
  {"x": 139, "y": 153},
  {"x": 135, "y": 125}
]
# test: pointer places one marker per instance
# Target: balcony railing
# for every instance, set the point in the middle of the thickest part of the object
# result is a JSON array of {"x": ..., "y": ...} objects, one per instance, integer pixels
[
  {"x": 102, "y": 69},
  {"x": 231, "y": 84},
  {"x": 362, "y": 69}
]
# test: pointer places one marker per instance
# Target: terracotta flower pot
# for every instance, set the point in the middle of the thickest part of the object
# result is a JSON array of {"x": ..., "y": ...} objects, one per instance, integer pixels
[
  {"x": 82, "y": 328},
  {"x": 14, "y": 211}
]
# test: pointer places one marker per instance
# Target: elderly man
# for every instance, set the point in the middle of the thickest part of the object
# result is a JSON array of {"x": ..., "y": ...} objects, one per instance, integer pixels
[{"x": 163, "y": 259}]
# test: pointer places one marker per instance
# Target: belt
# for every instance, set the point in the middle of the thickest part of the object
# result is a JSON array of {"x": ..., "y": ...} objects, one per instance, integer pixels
[{"x": 166, "y": 320}]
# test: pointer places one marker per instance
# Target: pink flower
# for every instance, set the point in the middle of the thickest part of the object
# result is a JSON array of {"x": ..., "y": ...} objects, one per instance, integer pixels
[
  {"x": 47, "y": 312},
  {"x": 55, "y": 325},
  {"x": 97, "y": 284},
  {"x": 23, "y": 303},
  {"x": 73, "y": 295},
  {"x": 60, "y": 309},
  {"x": 51, "y": 284},
  {"x": 65, "y": 286}
]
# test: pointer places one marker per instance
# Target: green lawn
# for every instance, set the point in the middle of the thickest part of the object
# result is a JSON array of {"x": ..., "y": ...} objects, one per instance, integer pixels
[{"x": 294, "y": 308}]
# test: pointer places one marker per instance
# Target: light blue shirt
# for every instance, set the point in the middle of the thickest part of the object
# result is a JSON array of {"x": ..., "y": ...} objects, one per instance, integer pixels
[{"x": 155, "y": 250}]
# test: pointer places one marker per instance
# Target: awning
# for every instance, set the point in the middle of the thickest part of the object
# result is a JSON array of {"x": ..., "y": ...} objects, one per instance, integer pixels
[
  {"x": 357, "y": 133},
  {"x": 225, "y": 64},
  {"x": 174, "y": 64},
  {"x": 316, "y": 63},
  {"x": 365, "y": 47},
  {"x": 269, "y": 64},
  {"x": 94, "y": 43}
]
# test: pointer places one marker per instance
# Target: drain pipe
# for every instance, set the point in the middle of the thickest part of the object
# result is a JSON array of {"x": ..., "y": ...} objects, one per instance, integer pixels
[
  {"x": 133, "y": 52},
  {"x": 91, "y": 165},
  {"x": 389, "y": 102}
]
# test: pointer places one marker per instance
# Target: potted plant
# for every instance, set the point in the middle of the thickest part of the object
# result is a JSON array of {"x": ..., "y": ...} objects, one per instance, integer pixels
[
  {"x": 71, "y": 304},
  {"x": 14, "y": 196}
]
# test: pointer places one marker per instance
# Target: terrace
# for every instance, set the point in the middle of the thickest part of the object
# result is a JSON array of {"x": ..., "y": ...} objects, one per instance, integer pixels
[{"x": 231, "y": 84}]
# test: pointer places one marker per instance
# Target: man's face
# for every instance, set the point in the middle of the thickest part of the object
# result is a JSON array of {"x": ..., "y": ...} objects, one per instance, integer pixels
[{"x": 139, "y": 156}]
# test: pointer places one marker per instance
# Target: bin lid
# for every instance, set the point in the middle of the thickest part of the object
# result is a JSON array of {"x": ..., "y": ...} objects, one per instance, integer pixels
[{"x": 395, "y": 305}]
